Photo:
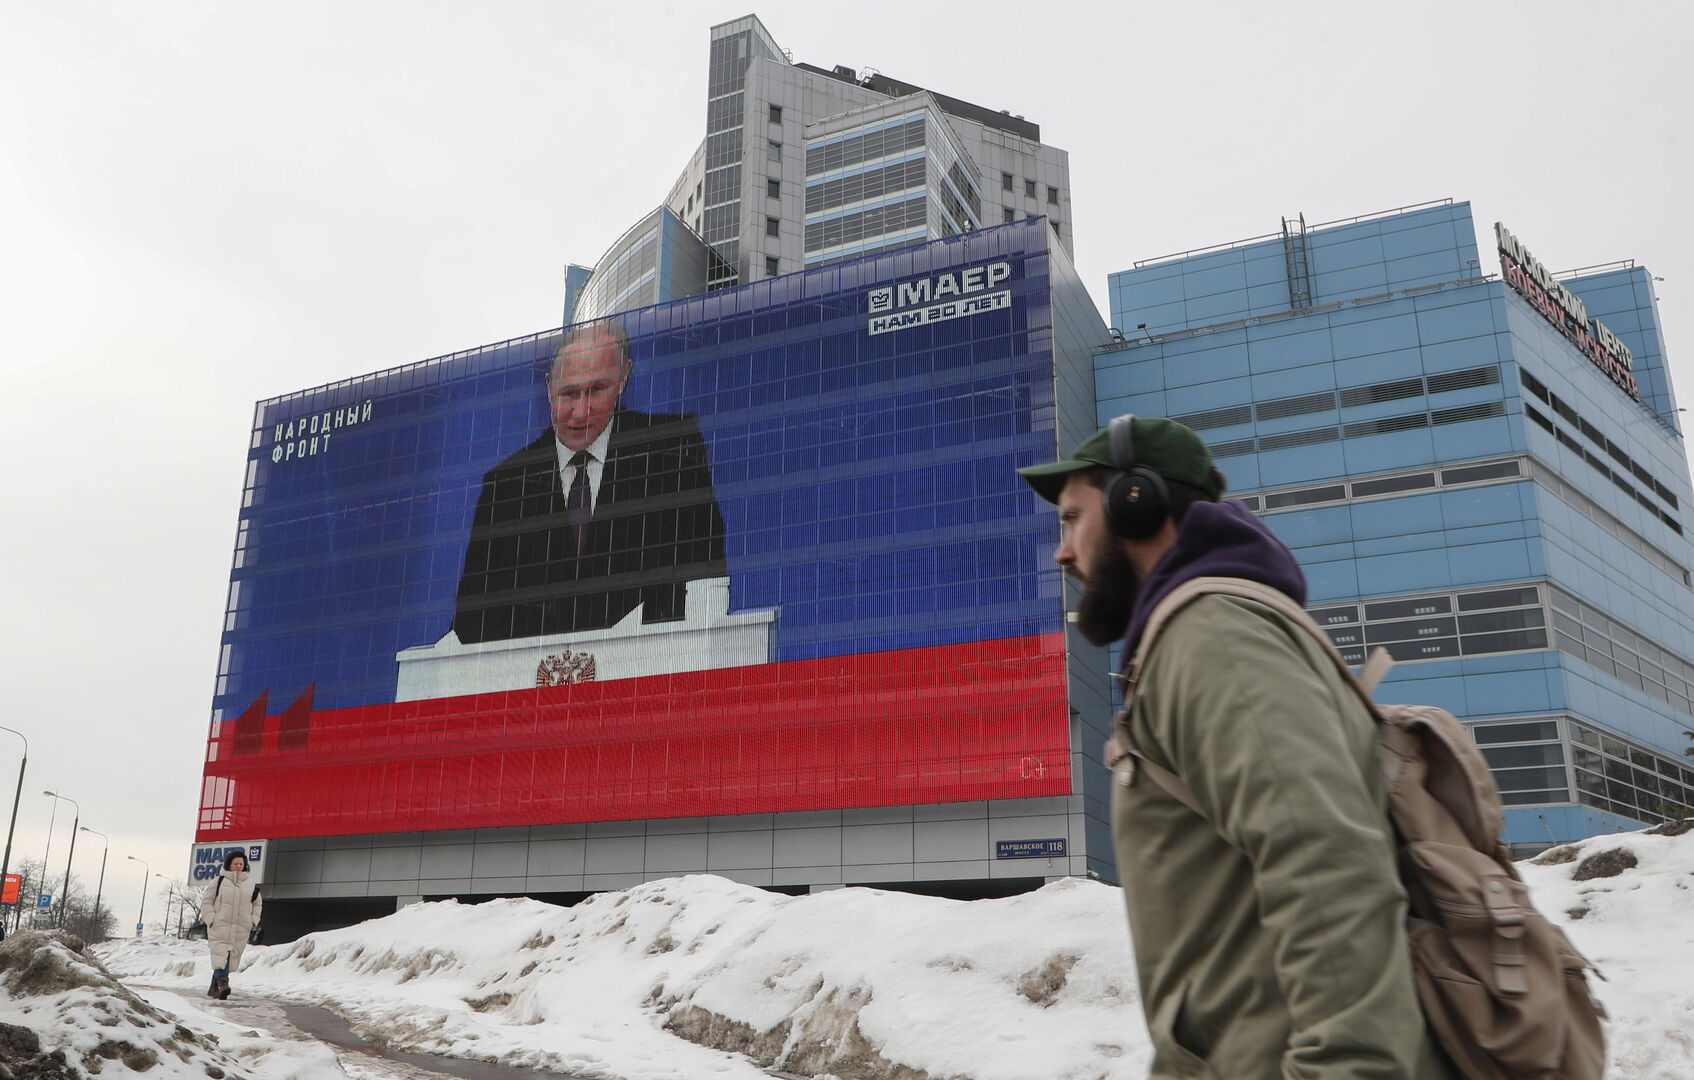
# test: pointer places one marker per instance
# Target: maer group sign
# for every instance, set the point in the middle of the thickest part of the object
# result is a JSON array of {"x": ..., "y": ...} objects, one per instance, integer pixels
[{"x": 207, "y": 859}]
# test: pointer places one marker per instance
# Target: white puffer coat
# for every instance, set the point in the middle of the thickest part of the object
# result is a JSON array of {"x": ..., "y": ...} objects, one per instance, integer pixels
[{"x": 230, "y": 907}]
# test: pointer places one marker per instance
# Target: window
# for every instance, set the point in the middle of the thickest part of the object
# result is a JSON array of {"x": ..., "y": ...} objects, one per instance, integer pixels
[
  {"x": 776, "y": 114},
  {"x": 773, "y": 226},
  {"x": 1005, "y": 181},
  {"x": 1409, "y": 609},
  {"x": 773, "y": 152},
  {"x": 1052, "y": 196},
  {"x": 1332, "y": 493},
  {"x": 1473, "y": 473},
  {"x": 1059, "y": 229},
  {"x": 1029, "y": 189},
  {"x": 771, "y": 266},
  {"x": 1008, "y": 214},
  {"x": 1362, "y": 488},
  {"x": 773, "y": 189}
]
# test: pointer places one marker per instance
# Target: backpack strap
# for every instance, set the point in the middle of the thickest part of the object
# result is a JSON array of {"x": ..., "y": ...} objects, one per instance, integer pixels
[{"x": 1123, "y": 756}]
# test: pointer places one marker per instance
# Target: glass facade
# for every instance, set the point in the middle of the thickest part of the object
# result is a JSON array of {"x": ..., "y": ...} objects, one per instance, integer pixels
[
  {"x": 810, "y": 574},
  {"x": 1462, "y": 483},
  {"x": 887, "y": 182},
  {"x": 734, "y": 45}
]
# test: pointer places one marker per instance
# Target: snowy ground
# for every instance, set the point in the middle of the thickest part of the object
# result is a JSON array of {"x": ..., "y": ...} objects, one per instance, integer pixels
[
  {"x": 699, "y": 977},
  {"x": 62, "y": 1015},
  {"x": 1637, "y": 927}
]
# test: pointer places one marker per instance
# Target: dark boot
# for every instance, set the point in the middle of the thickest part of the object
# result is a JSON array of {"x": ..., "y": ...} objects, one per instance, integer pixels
[
  {"x": 212, "y": 991},
  {"x": 223, "y": 989}
]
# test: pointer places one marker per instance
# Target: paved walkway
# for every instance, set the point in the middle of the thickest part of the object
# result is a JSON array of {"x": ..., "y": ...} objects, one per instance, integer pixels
[{"x": 360, "y": 1057}]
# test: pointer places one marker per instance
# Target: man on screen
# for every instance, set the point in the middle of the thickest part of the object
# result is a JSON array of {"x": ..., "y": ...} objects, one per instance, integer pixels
[{"x": 608, "y": 509}]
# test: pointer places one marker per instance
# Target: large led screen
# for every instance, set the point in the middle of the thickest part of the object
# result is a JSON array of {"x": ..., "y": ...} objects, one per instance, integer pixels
[{"x": 759, "y": 550}]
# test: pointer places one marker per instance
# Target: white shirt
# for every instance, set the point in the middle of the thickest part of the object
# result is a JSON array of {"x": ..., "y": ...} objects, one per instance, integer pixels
[{"x": 596, "y": 465}]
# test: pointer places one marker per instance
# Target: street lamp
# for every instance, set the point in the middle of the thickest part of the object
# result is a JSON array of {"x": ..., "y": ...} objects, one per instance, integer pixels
[
  {"x": 169, "y": 897},
  {"x": 76, "y": 823},
  {"x": 41, "y": 886},
  {"x": 99, "y": 890},
  {"x": 141, "y": 912},
  {"x": 6, "y": 859}
]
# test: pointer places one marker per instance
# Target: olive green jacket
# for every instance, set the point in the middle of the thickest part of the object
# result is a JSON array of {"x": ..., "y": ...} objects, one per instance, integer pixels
[{"x": 1270, "y": 934}]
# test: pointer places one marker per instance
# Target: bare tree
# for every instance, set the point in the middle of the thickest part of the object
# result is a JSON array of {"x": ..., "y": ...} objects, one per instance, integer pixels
[
  {"x": 178, "y": 906},
  {"x": 81, "y": 918},
  {"x": 189, "y": 898}
]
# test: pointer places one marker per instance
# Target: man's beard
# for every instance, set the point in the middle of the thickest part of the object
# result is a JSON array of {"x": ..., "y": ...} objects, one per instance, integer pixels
[{"x": 1108, "y": 597}]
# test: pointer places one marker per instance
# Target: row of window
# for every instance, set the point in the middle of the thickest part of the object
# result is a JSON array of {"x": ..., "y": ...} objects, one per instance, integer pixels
[
  {"x": 1594, "y": 435},
  {"x": 1599, "y": 466},
  {"x": 1624, "y": 779},
  {"x": 1527, "y": 759},
  {"x": 1602, "y": 643},
  {"x": 899, "y": 217},
  {"x": 1359, "y": 429},
  {"x": 824, "y": 157},
  {"x": 1347, "y": 397},
  {"x": 1006, "y": 184},
  {"x": 1530, "y": 772},
  {"x": 1583, "y": 632},
  {"x": 1438, "y": 626},
  {"x": 959, "y": 198},
  {"x": 1382, "y": 485},
  {"x": 720, "y": 224},
  {"x": 1592, "y": 510},
  {"x": 890, "y": 179}
]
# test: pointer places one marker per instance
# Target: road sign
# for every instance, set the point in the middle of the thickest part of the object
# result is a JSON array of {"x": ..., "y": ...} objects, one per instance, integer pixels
[
  {"x": 1029, "y": 849},
  {"x": 44, "y": 900},
  {"x": 137, "y": 929}
]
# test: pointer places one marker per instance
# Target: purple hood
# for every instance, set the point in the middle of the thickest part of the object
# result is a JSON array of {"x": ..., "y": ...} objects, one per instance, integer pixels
[{"x": 1221, "y": 539}]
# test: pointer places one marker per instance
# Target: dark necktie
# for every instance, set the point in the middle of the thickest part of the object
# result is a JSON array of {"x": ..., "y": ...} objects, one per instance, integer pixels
[
  {"x": 577, "y": 502},
  {"x": 578, "y": 505}
]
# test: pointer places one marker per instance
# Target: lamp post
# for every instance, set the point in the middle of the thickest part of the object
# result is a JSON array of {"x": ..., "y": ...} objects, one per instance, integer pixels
[
  {"x": 100, "y": 889},
  {"x": 41, "y": 886},
  {"x": 141, "y": 912},
  {"x": 170, "y": 895},
  {"x": 6, "y": 859},
  {"x": 76, "y": 823}
]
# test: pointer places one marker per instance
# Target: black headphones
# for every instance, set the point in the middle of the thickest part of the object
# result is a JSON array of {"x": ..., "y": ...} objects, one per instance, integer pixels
[{"x": 1137, "y": 498}]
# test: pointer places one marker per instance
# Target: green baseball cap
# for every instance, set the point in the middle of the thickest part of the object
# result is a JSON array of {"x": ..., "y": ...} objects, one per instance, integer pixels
[{"x": 1168, "y": 448}]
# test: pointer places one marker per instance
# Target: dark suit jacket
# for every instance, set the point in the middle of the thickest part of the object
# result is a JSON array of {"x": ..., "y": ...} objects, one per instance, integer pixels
[{"x": 529, "y": 570}]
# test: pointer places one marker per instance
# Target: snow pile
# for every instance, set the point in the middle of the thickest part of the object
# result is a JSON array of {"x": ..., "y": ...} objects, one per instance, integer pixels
[
  {"x": 1627, "y": 901},
  {"x": 158, "y": 954},
  {"x": 62, "y": 1015},
  {"x": 698, "y": 975}
]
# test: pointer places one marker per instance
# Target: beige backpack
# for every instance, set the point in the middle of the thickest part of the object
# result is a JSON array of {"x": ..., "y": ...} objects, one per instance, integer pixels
[{"x": 1504, "y": 991}]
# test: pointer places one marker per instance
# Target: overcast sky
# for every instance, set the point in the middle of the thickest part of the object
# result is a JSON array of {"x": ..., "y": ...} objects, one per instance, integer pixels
[{"x": 204, "y": 204}]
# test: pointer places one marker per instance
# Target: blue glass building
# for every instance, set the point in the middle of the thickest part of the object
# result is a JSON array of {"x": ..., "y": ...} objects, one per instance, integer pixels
[{"x": 1480, "y": 467}]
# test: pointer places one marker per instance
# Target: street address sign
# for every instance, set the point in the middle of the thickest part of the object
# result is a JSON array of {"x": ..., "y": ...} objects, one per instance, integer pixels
[{"x": 1029, "y": 849}]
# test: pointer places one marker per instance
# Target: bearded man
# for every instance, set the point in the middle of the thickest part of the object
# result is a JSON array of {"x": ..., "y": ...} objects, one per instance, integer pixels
[{"x": 1268, "y": 918}]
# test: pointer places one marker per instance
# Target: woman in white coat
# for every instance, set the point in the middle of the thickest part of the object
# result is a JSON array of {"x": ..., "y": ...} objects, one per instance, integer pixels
[{"x": 230, "y": 908}]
